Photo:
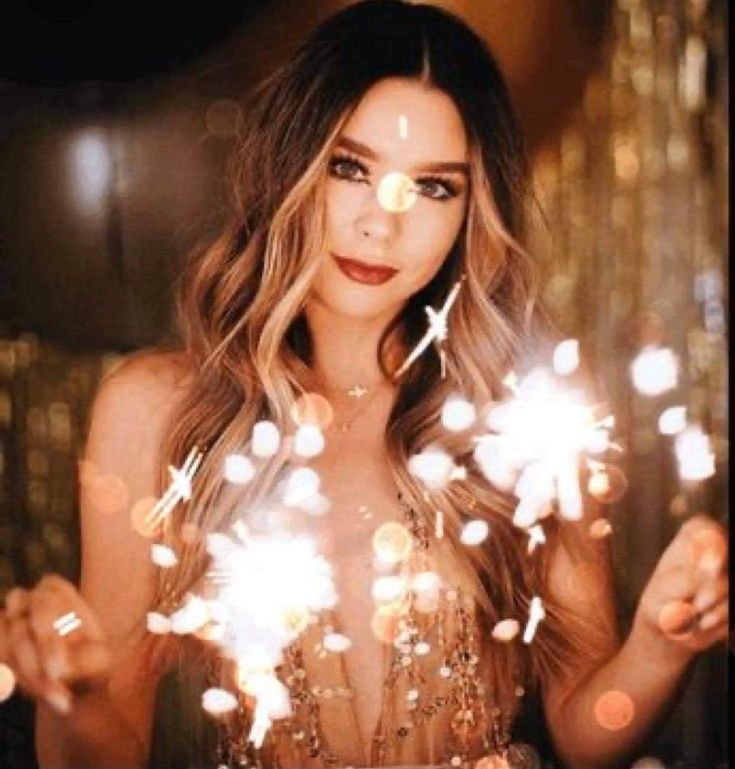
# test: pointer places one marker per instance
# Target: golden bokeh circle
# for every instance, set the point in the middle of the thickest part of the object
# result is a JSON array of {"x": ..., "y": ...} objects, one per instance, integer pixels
[
  {"x": 608, "y": 485},
  {"x": 396, "y": 192},
  {"x": 614, "y": 710},
  {"x": 312, "y": 409},
  {"x": 140, "y": 519},
  {"x": 392, "y": 542},
  {"x": 107, "y": 493},
  {"x": 384, "y": 624}
]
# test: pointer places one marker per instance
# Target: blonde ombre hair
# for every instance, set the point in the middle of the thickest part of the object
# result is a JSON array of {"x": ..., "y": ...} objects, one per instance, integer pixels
[{"x": 240, "y": 305}]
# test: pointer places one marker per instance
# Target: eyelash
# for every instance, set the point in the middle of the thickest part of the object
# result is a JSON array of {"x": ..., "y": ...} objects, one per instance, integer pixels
[{"x": 450, "y": 188}]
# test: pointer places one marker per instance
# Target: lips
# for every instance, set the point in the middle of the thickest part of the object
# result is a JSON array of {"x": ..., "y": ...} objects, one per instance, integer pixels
[{"x": 361, "y": 272}]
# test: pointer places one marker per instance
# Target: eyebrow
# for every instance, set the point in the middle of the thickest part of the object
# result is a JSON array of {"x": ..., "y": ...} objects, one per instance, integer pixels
[{"x": 368, "y": 152}]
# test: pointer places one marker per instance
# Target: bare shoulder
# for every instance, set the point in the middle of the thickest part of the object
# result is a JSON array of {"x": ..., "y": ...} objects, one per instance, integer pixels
[
  {"x": 130, "y": 417},
  {"x": 148, "y": 378}
]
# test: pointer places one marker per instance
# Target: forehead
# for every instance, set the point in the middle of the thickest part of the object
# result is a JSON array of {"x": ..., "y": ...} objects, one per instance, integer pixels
[{"x": 402, "y": 118}]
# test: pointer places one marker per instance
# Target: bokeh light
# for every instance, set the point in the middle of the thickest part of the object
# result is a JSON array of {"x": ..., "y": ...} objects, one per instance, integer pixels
[
  {"x": 140, "y": 517},
  {"x": 608, "y": 485},
  {"x": 614, "y": 710},
  {"x": 384, "y": 624},
  {"x": 312, "y": 409},
  {"x": 654, "y": 370},
  {"x": 107, "y": 493},
  {"x": 7, "y": 682},
  {"x": 396, "y": 192},
  {"x": 506, "y": 630},
  {"x": 392, "y": 542}
]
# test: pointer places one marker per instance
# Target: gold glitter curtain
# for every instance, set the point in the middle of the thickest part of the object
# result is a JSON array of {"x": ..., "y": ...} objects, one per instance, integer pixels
[{"x": 634, "y": 248}]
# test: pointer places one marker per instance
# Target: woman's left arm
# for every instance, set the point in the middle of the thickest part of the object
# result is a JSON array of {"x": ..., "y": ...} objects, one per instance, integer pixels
[{"x": 600, "y": 714}]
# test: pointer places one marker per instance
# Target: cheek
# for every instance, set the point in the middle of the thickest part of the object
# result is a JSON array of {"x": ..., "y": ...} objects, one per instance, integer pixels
[
  {"x": 343, "y": 202},
  {"x": 433, "y": 238}
]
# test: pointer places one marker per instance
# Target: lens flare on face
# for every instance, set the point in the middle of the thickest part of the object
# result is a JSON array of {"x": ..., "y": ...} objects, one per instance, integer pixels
[
  {"x": 614, "y": 710},
  {"x": 403, "y": 126},
  {"x": 396, "y": 192}
]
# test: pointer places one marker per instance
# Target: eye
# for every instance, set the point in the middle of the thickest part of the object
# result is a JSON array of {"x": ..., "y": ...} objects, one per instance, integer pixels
[
  {"x": 436, "y": 188},
  {"x": 350, "y": 169}
]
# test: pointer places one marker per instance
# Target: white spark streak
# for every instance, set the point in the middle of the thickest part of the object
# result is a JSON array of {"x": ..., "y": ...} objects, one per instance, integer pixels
[{"x": 437, "y": 330}]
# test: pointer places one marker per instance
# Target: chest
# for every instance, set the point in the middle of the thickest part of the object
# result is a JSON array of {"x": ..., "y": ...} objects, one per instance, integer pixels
[{"x": 359, "y": 484}]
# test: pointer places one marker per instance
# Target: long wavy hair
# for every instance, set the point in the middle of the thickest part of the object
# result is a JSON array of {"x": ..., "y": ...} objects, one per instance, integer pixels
[{"x": 240, "y": 302}]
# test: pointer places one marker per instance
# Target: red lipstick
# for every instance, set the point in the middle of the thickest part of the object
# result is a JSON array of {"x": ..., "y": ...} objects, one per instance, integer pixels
[{"x": 361, "y": 272}]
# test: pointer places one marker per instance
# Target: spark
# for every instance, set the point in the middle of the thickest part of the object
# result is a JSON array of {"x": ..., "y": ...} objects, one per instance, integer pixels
[
  {"x": 536, "y": 536},
  {"x": 178, "y": 490},
  {"x": 535, "y": 614},
  {"x": 537, "y": 437},
  {"x": 437, "y": 331}
]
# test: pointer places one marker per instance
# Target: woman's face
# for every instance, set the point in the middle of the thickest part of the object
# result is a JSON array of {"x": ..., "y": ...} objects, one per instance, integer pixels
[{"x": 396, "y": 196}]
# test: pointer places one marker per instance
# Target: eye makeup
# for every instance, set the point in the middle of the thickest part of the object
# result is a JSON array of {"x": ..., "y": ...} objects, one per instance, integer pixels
[{"x": 447, "y": 188}]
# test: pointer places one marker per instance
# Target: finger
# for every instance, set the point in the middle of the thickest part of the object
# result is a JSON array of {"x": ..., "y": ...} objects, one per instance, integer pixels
[
  {"x": 711, "y": 594},
  {"x": 46, "y": 608},
  {"x": 706, "y": 544},
  {"x": 71, "y": 600},
  {"x": 720, "y": 614},
  {"x": 26, "y": 664},
  {"x": 23, "y": 656},
  {"x": 16, "y": 602}
]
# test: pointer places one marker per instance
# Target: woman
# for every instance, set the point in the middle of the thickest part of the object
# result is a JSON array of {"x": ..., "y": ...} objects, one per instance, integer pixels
[{"x": 381, "y": 166}]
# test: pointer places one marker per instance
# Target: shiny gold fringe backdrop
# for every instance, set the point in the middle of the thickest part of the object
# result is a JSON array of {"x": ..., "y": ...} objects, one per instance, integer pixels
[{"x": 634, "y": 248}]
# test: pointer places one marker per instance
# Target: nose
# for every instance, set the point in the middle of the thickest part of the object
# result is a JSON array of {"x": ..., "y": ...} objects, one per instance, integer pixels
[{"x": 376, "y": 222}]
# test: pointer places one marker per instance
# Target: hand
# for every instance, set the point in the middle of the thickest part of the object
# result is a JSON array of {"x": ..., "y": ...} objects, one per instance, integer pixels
[
  {"x": 686, "y": 600},
  {"x": 51, "y": 640}
]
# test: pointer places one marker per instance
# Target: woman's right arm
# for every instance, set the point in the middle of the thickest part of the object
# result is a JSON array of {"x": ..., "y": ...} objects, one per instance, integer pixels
[{"x": 111, "y": 700}]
